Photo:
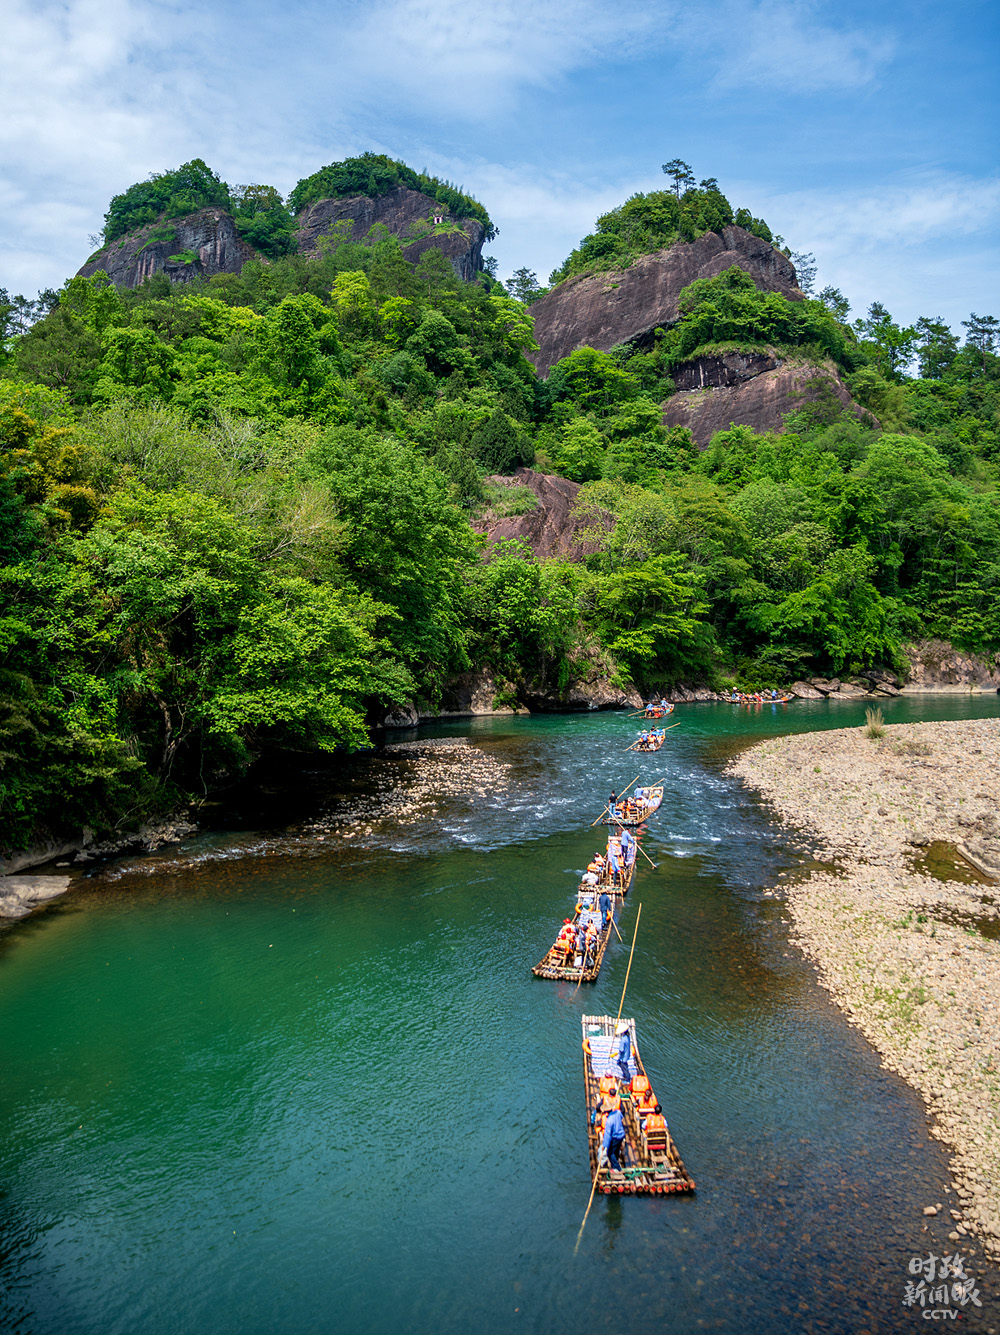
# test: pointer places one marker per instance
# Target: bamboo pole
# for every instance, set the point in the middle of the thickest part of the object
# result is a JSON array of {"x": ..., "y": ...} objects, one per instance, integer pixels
[{"x": 593, "y": 1185}]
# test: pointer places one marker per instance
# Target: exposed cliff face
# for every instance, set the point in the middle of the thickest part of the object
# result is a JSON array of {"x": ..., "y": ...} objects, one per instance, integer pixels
[
  {"x": 749, "y": 389},
  {"x": 405, "y": 214},
  {"x": 204, "y": 243},
  {"x": 550, "y": 529},
  {"x": 936, "y": 665},
  {"x": 600, "y": 310}
]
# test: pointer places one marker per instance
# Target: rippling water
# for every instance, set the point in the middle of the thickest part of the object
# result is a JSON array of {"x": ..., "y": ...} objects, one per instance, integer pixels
[{"x": 311, "y": 1091}]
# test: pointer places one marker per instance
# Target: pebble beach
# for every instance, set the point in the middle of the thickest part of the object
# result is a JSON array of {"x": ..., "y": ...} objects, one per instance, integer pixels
[{"x": 902, "y": 919}]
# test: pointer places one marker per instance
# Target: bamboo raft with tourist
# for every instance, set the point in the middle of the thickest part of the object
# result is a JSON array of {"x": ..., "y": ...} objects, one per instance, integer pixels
[
  {"x": 635, "y": 809},
  {"x": 655, "y": 709},
  {"x": 577, "y": 953},
  {"x": 649, "y": 741},
  {"x": 760, "y": 698},
  {"x": 645, "y": 1161}
]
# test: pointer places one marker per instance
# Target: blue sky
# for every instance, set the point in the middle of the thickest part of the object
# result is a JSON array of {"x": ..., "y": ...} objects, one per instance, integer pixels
[{"x": 866, "y": 133}]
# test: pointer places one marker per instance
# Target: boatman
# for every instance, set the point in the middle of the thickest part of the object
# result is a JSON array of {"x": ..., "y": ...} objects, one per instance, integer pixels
[
  {"x": 604, "y": 904},
  {"x": 614, "y": 1138},
  {"x": 628, "y": 848},
  {"x": 623, "y": 1042}
]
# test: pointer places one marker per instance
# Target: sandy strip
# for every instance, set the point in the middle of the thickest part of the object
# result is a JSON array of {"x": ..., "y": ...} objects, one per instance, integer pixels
[{"x": 902, "y": 952}]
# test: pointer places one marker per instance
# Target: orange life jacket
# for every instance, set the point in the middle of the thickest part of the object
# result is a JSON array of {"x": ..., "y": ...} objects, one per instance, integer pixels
[{"x": 655, "y": 1122}]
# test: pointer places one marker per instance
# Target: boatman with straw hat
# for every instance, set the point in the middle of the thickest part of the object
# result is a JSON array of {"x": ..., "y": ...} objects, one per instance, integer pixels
[{"x": 623, "y": 1042}]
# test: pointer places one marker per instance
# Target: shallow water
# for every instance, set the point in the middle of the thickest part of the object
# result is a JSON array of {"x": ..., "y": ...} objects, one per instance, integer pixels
[{"x": 317, "y": 1091}]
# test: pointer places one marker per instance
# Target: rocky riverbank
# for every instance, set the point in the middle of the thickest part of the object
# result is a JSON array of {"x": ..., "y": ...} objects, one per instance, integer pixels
[{"x": 914, "y": 960}]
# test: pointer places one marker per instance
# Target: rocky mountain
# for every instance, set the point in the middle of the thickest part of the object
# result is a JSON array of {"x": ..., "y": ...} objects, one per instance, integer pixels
[
  {"x": 206, "y": 243},
  {"x": 627, "y": 305},
  {"x": 198, "y": 245}
]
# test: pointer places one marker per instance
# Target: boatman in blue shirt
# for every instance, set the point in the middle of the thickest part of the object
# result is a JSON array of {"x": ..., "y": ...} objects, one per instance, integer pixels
[
  {"x": 628, "y": 848},
  {"x": 614, "y": 1138},
  {"x": 604, "y": 904},
  {"x": 623, "y": 1042}
]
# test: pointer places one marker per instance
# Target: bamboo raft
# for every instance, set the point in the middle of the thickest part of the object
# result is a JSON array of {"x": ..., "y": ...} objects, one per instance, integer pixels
[
  {"x": 657, "y": 741},
  {"x": 633, "y": 813},
  {"x": 571, "y": 967},
  {"x": 651, "y": 1164}
]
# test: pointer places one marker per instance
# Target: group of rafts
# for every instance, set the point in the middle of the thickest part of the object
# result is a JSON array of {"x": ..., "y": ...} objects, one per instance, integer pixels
[{"x": 616, "y": 1084}]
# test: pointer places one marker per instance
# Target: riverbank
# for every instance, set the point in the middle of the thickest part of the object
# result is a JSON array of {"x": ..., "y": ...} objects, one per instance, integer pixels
[{"x": 912, "y": 959}]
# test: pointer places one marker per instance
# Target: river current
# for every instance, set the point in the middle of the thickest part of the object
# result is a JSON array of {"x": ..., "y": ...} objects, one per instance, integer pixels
[{"x": 280, "y": 1087}]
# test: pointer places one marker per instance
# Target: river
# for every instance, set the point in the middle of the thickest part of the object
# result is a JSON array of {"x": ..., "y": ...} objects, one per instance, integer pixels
[{"x": 279, "y": 1087}]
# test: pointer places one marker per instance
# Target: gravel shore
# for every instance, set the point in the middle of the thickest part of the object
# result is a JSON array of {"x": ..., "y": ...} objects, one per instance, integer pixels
[{"x": 913, "y": 960}]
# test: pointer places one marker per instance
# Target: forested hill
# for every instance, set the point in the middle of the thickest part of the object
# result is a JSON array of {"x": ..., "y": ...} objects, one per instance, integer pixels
[
  {"x": 188, "y": 223},
  {"x": 234, "y": 513}
]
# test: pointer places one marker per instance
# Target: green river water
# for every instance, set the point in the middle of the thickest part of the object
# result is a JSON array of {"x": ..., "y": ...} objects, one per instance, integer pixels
[{"x": 268, "y": 1086}]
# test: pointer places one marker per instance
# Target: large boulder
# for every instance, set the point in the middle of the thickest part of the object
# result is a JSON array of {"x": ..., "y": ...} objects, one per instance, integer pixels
[
  {"x": 197, "y": 246},
  {"x": 550, "y": 529},
  {"x": 600, "y": 310},
  {"x": 936, "y": 665},
  {"x": 407, "y": 214},
  {"x": 754, "y": 390}
]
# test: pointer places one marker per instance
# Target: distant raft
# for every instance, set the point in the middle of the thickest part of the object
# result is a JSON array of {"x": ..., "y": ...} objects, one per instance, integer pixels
[
  {"x": 653, "y": 742},
  {"x": 636, "y": 808},
  {"x": 651, "y": 1164}
]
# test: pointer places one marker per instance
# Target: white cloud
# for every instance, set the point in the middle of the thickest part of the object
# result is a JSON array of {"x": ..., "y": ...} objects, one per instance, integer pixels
[
  {"x": 447, "y": 56},
  {"x": 919, "y": 243},
  {"x": 785, "y": 44}
]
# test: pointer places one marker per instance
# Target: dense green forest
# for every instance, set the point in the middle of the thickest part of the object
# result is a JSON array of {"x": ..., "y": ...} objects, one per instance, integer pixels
[{"x": 234, "y": 515}]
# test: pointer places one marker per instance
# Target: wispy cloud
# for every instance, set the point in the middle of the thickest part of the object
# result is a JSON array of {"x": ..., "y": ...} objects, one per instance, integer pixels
[
  {"x": 450, "y": 56},
  {"x": 921, "y": 241},
  {"x": 788, "y": 45}
]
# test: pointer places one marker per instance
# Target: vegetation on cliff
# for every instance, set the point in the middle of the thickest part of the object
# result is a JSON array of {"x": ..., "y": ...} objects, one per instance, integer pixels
[
  {"x": 234, "y": 515},
  {"x": 259, "y": 211},
  {"x": 375, "y": 174},
  {"x": 645, "y": 223}
]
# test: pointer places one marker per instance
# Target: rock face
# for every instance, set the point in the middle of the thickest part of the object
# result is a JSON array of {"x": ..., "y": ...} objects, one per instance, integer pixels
[
  {"x": 723, "y": 369},
  {"x": 19, "y": 895},
  {"x": 203, "y": 244},
  {"x": 600, "y": 310},
  {"x": 936, "y": 665},
  {"x": 404, "y": 213},
  {"x": 206, "y": 243},
  {"x": 736, "y": 393},
  {"x": 550, "y": 529}
]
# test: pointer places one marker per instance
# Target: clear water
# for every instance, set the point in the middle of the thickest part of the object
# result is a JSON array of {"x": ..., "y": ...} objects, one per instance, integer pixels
[{"x": 286, "y": 1088}]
